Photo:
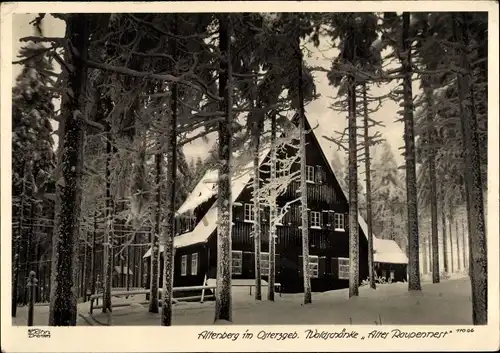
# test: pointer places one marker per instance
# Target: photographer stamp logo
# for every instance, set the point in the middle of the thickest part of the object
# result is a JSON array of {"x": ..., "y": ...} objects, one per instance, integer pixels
[{"x": 38, "y": 333}]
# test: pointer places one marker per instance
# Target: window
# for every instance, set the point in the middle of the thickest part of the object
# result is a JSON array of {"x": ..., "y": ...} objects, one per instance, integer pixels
[
  {"x": 281, "y": 170},
  {"x": 194, "y": 264},
  {"x": 314, "y": 266},
  {"x": 339, "y": 222},
  {"x": 264, "y": 264},
  {"x": 237, "y": 262},
  {"x": 315, "y": 219},
  {"x": 184, "y": 263},
  {"x": 343, "y": 268},
  {"x": 249, "y": 216},
  {"x": 391, "y": 276},
  {"x": 310, "y": 173}
]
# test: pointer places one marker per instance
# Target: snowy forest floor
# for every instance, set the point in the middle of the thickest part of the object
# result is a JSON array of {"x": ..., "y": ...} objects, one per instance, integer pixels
[{"x": 438, "y": 304}]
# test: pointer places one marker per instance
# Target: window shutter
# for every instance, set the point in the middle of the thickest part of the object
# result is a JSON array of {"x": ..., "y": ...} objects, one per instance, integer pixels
[
  {"x": 319, "y": 174},
  {"x": 335, "y": 267},
  {"x": 322, "y": 267},
  {"x": 331, "y": 220},
  {"x": 301, "y": 265},
  {"x": 346, "y": 221},
  {"x": 248, "y": 264},
  {"x": 309, "y": 218},
  {"x": 324, "y": 219}
]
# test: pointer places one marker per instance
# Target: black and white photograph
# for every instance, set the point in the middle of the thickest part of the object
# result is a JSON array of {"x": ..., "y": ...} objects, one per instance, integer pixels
[{"x": 207, "y": 168}]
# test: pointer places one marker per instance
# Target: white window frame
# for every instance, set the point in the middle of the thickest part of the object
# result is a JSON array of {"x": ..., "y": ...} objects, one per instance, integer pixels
[
  {"x": 194, "y": 264},
  {"x": 236, "y": 269},
  {"x": 281, "y": 171},
  {"x": 310, "y": 174},
  {"x": 343, "y": 273},
  {"x": 318, "y": 224},
  {"x": 342, "y": 217},
  {"x": 248, "y": 211},
  {"x": 184, "y": 263},
  {"x": 314, "y": 266},
  {"x": 264, "y": 263}
]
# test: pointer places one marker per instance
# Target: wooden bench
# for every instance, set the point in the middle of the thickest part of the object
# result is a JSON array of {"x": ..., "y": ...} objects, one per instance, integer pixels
[
  {"x": 95, "y": 297},
  {"x": 237, "y": 282},
  {"x": 277, "y": 286}
]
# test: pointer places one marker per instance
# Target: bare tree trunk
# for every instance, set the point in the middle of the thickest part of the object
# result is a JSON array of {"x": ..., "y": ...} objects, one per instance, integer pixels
[
  {"x": 108, "y": 233},
  {"x": 464, "y": 247},
  {"x": 272, "y": 213},
  {"x": 155, "y": 239},
  {"x": 450, "y": 223},
  {"x": 223, "y": 295},
  {"x": 29, "y": 245},
  {"x": 353, "y": 193},
  {"x": 445, "y": 240},
  {"x": 431, "y": 160},
  {"x": 424, "y": 256},
  {"x": 474, "y": 188},
  {"x": 93, "y": 256},
  {"x": 168, "y": 240},
  {"x": 368, "y": 191},
  {"x": 303, "y": 182},
  {"x": 255, "y": 128},
  {"x": 84, "y": 275},
  {"x": 17, "y": 246},
  {"x": 62, "y": 310},
  {"x": 459, "y": 263},
  {"x": 411, "y": 178}
]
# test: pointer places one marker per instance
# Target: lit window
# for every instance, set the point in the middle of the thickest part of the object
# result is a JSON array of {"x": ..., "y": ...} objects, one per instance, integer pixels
[
  {"x": 339, "y": 222},
  {"x": 249, "y": 216},
  {"x": 343, "y": 268},
  {"x": 310, "y": 173},
  {"x": 184, "y": 262},
  {"x": 313, "y": 266},
  {"x": 194, "y": 264},
  {"x": 236, "y": 262},
  {"x": 264, "y": 264},
  {"x": 315, "y": 219}
]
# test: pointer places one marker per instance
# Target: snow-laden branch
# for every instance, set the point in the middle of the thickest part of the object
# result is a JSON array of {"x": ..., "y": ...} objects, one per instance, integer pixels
[{"x": 151, "y": 75}]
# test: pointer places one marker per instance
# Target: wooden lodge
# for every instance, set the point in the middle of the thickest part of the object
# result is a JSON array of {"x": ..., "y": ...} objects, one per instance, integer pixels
[
  {"x": 196, "y": 250},
  {"x": 390, "y": 261}
]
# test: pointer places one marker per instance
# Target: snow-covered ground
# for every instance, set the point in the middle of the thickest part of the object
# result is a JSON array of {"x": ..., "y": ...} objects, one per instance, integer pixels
[{"x": 446, "y": 303}]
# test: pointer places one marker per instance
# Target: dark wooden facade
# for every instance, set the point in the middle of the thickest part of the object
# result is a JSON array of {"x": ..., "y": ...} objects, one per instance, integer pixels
[{"x": 326, "y": 244}]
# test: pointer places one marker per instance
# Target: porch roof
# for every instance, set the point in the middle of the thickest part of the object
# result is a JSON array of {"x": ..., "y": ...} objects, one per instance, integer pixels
[{"x": 388, "y": 251}]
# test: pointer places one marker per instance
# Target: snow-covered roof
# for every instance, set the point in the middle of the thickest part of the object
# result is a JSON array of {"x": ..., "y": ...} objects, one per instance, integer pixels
[
  {"x": 207, "y": 187},
  {"x": 388, "y": 251},
  {"x": 199, "y": 234}
]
